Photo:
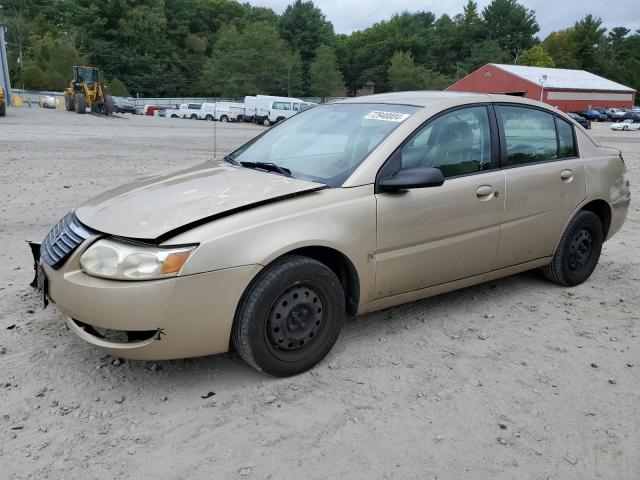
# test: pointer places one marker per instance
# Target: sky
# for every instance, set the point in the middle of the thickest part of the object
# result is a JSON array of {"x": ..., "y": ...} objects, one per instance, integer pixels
[{"x": 350, "y": 15}]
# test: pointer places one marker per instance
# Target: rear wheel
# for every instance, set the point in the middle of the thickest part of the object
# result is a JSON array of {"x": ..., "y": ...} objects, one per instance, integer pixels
[
  {"x": 279, "y": 119},
  {"x": 193, "y": 116},
  {"x": 108, "y": 103},
  {"x": 266, "y": 122},
  {"x": 81, "y": 103},
  {"x": 99, "y": 107},
  {"x": 224, "y": 118},
  {"x": 209, "y": 118},
  {"x": 290, "y": 316},
  {"x": 578, "y": 251}
]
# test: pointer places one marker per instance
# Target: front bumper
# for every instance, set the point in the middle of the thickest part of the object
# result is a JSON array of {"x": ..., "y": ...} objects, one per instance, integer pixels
[{"x": 192, "y": 315}]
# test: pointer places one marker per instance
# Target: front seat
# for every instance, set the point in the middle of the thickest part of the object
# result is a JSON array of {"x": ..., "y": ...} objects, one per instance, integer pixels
[{"x": 453, "y": 150}]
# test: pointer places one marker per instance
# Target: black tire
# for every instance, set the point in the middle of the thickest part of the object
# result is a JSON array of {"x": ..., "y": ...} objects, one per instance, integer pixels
[
  {"x": 173, "y": 115},
  {"x": 578, "y": 251},
  {"x": 280, "y": 119},
  {"x": 98, "y": 107},
  {"x": 68, "y": 103},
  {"x": 209, "y": 118},
  {"x": 266, "y": 122},
  {"x": 224, "y": 118},
  {"x": 81, "y": 103},
  {"x": 108, "y": 103},
  {"x": 3, "y": 109},
  {"x": 193, "y": 116},
  {"x": 290, "y": 316}
]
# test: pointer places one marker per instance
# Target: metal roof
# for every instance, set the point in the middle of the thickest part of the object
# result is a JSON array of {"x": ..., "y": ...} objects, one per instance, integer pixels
[{"x": 562, "y": 78}]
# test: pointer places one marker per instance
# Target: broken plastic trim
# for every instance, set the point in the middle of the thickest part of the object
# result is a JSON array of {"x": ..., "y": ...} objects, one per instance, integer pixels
[{"x": 120, "y": 336}]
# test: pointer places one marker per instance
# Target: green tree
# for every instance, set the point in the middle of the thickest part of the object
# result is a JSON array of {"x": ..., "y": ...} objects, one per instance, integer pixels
[
  {"x": 254, "y": 60},
  {"x": 561, "y": 46},
  {"x": 305, "y": 27},
  {"x": 536, "y": 56},
  {"x": 49, "y": 62},
  {"x": 118, "y": 89},
  {"x": 324, "y": 77},
  {"x": 588, "y": 37},
  {"x": 405, "y": 75},
  {"x": 512, "y": 25}
]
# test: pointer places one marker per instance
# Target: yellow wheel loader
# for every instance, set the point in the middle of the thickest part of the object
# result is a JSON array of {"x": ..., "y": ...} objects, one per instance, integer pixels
[
  {"x": 3, "y": 103},
  {"x": 86, "y": 91}
]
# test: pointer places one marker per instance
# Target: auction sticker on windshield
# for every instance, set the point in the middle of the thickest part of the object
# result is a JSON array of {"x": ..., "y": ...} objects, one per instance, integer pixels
[{"x": 387, "y": 116}]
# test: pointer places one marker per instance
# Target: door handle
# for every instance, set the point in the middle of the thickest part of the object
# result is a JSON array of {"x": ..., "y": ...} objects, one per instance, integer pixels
[
  {"x": 566, "y": 176},
  {"x": 484, "y": 192}
]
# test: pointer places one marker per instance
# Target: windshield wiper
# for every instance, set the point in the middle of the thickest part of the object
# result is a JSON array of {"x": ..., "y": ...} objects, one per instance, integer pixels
[
  {"x": 268, "y": 166},
  {"x": 229, "y": 158}
]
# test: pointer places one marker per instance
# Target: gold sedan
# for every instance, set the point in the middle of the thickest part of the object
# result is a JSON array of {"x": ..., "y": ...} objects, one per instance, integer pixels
[{"x": 343, "y": 209}]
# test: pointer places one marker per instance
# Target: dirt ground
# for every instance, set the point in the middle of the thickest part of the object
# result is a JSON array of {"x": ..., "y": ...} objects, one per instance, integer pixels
[{"x": 516, "y": 378}]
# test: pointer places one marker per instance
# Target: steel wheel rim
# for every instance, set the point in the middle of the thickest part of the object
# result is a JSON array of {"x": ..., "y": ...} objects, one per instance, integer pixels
[
  {"x": 295, "y": 320},
  {"x": 580, "y": 249}
]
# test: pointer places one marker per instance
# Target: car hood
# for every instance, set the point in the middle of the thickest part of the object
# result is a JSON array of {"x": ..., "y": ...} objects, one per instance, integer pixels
[{"x": 156, "y": 207}]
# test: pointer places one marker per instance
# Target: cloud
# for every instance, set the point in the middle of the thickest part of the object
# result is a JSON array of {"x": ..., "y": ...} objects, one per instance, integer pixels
[{"x": 350, "y": 15}]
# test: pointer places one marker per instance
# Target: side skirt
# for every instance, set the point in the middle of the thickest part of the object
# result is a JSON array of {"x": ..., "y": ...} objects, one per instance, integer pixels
[{"x": 450, "y": 286}]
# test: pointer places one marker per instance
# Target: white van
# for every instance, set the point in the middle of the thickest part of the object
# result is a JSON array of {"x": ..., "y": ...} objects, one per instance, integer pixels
[
  {"x": 187, "y": 110},
  {"x": 223, "y": 111},
  {"x": 272, "y": 110},
  {"x": 229, "y": 111},
  {"x": 250, "y": 105}
]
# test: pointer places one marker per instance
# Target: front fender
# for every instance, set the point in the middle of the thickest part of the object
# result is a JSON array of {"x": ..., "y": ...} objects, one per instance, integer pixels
[{"x": 343, "y": 219}]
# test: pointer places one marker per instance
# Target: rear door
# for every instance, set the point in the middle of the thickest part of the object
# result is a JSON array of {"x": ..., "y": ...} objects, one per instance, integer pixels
[
  {"x": 545, "y": 182},
  {"x": 430, "y": 236}
]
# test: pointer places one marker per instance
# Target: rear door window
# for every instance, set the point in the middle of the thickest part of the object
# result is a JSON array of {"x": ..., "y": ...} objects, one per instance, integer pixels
[{"x": 530, "y": 135}]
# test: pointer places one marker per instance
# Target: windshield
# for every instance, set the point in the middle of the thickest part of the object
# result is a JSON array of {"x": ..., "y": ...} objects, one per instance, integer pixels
[
  {"x": 326, "y": 143},
  {"x": 86, "y": 74}
]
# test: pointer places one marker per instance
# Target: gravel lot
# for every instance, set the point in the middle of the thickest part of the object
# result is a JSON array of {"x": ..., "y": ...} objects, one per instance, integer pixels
[{"x": 517, "y": 378}]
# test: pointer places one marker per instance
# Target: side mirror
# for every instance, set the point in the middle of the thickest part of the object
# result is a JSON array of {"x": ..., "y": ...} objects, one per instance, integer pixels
[{"x": 418, "y": 177}]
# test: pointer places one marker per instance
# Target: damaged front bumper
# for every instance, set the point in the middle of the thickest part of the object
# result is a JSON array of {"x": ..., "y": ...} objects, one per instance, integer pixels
[{"x": 178, "y": 317}]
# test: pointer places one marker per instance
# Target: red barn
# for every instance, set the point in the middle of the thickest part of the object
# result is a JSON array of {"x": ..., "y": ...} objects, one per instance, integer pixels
[{"x": 568, "y": 90}]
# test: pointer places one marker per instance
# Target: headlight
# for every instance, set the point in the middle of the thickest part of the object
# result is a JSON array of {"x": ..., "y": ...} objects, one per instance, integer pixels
[{"x": 130, "y": 261}]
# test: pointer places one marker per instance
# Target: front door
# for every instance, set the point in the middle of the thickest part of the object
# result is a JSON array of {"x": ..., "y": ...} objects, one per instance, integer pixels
[{"x": 430, "y": 236}]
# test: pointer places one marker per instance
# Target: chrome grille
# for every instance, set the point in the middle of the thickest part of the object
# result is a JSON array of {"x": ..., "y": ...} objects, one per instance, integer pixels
[{"x": 62, "y": 240}]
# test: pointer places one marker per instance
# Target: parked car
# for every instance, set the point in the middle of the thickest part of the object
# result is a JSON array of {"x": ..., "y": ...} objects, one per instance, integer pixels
[
  {"x": 614, "y": 114},
  {"x": 188, "y": 110},
  {"x": 271, "y": 110},
  {"x": 344, "y": 209},
  {"x": 626, "y": 125},
  {"x": 122, "y": 105},
  {"x": 630, "y": 116},
  {"x": 151, "y": 110},
  {"x": 581, "y": 120},
  {"x": 223, "y": 111},
  {"x": 594, "y": 115}
]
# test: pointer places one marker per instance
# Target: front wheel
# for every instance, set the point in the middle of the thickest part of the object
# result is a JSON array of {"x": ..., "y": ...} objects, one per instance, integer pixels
[
  {"x": 194, "y": 116},
  {"x": 289, "y": 317},
  {"x": 224, "y": 118},
  {"x": 578, "y": 251},
  {"x": 80, "y": 103},
  {"x": 266, "y": 122}
]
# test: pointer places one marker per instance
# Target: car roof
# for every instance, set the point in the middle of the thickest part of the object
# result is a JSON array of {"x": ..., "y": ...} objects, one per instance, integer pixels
[
  {"x": 417, "y": 98},
  {"x": 427, "y": 98}
]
